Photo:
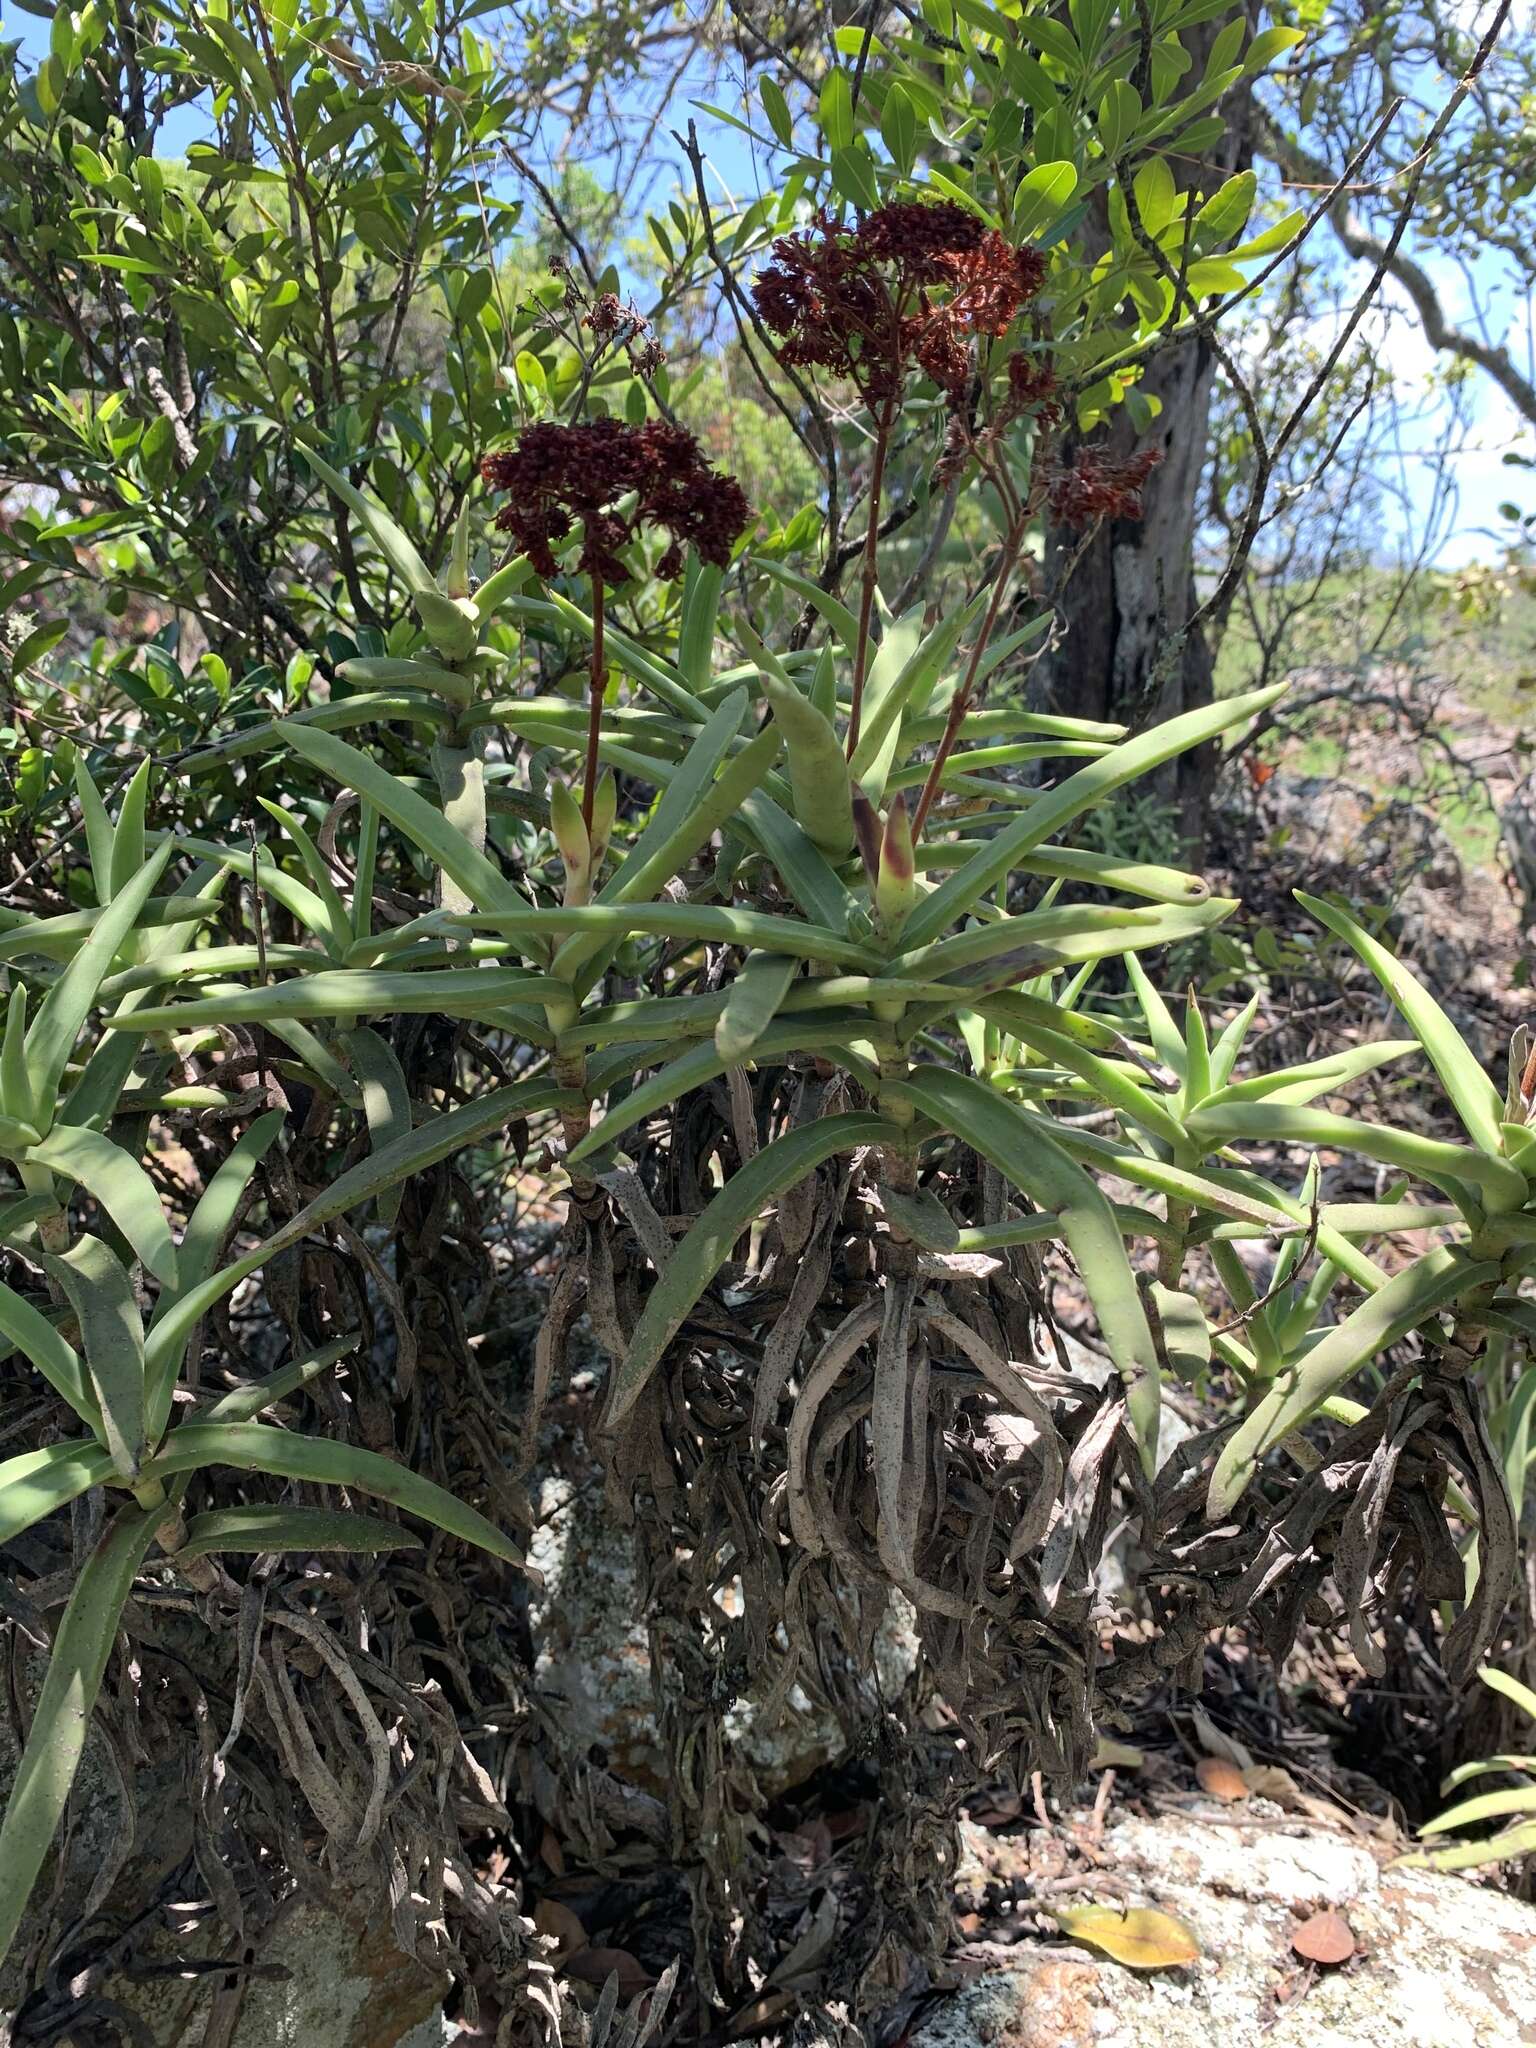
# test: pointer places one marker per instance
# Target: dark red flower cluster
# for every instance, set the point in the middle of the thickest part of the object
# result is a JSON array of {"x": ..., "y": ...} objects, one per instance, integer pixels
[
  {"x": 1032, "y": 386},
  {"x": 557, "y": 475},
  {"x": 859, "y": 301},
  {"x": 1095, "y": 487}
]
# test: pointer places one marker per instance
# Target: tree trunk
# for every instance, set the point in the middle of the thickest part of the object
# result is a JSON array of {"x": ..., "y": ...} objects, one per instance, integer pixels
[{"x": 1125, "y": 605}]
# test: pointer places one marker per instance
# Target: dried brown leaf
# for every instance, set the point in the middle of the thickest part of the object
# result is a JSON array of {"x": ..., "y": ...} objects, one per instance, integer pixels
[{"x": 1326, "y": 1938}]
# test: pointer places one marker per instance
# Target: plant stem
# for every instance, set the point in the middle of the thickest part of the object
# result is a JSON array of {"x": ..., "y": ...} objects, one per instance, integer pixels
[
  {"x": 960, "y": 703},
  {"x": 598, "y": 684}
]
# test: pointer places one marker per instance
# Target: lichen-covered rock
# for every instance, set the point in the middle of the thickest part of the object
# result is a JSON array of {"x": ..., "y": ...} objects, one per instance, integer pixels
[
  {"x": 593, "y": 1656},
  {"x": 1440, "y": 1962}
]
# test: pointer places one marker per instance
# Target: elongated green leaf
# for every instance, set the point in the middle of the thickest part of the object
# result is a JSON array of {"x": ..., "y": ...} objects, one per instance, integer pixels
[
  {"x": 1112, "y": 1084},
  {"x": 392, "y": 542},
  {"x": 61, "y": 937},
  {"x": 56, "y": 1739},
  {"x": 1056, "y": 934},
  {"x": 1058, "y": 807},
  {"x": 1104, "y": 871},
  {"x": 423, "y": 1147},
  {"x": 1477, "y": 1102},
  {"x": 756, "y": 929},
  {"x": 1224, "y": 1053},
  {"x": 346, "y": 992},
  {"x": 98, "y": 830},
  {"x": 244, "y": 1404},
  {"x": 752, "y": 1002},
  {"x": 1432, "y": 1159},
  {"x": 1303, "y": 1084},
  {"x": 1389, "y": 1315},
  {"x": 38, "y": 1482},
  {"x": 271, "y": 1528},
  {"x": 802, "y": 866},
  {"x": 837, "y": 615},
  {"x": 112, "y": 1335},
  {"x": 700, "y": 1255},
  {"x": 128, "y": 834},
  {"x": 68, "y": 1003},
  {"x": 257, "y": 1447},
  {"x": 1486, "y": 1806},
  {"x": 15, "y": 1088},
  {"x": 41, "y": 1345},
  {"x": 218, "y": 1207},
  {"x": 368, "y": 707},
  {"x": 338, "y": 923},
  {"x": 422, "y": 823},
  {"x": 386, "y": 1100},
  {"x": 700, "y": 1065},
  {"x": 1511, "y": 1688},
  {"x": 1031, "y": 1162},
  {"x": 121, "y": 1186},
  {"x": 647, "y": 858},
  {"x": 1508, "y": 1846}
]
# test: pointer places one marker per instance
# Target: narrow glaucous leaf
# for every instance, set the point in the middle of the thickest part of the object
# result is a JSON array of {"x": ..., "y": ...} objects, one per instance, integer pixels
[
  {"x": 320, "y": 1461},
  {"x": 1473, "y": 1095},
  {"x": 64, "y": 1009},
  {"x": 701, "y": 1254},
  {"x": 56, "y": 1740},
  {"x": 278, "y": 1528},
  {"x": 1408, "y": 1299},
  {"x": 752, "y": 1002},
  {"x": 1442, "y": 1164},
  {"x": 112, "y": 1337},
  {"x": 966, "y": 887},
  {"x": 120, "y": 1184},
  {"x": 41, "y": 1345},
  {"x": 37, "y": 1483},
  {"x": 386, "y": 1100},
  {"x": 422, "y": 823},
  {"x": 1031, "y": 1162}
]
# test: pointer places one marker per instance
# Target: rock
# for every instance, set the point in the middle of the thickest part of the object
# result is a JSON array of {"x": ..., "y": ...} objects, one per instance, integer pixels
[
  {"x": 1441, "y": 1962},
  {"x": 594, "y": 1658}
]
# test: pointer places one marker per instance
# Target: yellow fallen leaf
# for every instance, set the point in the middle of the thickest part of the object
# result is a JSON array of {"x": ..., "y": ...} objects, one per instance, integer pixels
[
  {"x": 1116, "y": 1756},
  {"x": 1142, "y": 1939}
]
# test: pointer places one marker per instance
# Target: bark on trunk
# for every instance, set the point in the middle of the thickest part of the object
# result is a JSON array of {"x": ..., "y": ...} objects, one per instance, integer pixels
[{"x": 1132, "y": 591}]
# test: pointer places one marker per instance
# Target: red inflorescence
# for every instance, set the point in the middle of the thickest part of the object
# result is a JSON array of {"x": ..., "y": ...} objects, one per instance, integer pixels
[
  {"x": 860, "y": 301},
  {"x": 558, "y": 474},
  {"x": 1095, "y": 487},
  {"x": 1032, "y": 386}
]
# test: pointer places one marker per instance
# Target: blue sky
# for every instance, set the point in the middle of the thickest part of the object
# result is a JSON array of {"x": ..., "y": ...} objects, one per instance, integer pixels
[{"x": 1479, "y": 431}]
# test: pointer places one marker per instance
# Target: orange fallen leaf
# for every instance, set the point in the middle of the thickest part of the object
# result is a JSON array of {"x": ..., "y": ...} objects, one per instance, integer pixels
[
  {"x": 1222, "y": 1779},
  {"x": 1326, "y": 1938},
  {"x": 1142, "y": 1939}
]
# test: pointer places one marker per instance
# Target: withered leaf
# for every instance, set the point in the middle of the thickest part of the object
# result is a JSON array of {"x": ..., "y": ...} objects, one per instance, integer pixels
[
  {"x": 554, "y": 1918},
  {"x": 1142, "y": 1939},
  {"x": 597, "y": 1965},
  {"x": 1221, "y": 1778},
  {"x": 1326, "y": 1937}
]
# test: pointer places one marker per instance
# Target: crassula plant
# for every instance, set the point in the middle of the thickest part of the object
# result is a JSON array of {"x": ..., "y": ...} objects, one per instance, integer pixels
[{"x": 780, "y": 959}]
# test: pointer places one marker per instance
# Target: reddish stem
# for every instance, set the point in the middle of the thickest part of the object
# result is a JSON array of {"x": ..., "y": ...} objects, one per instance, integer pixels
[
  {"x": 597, "y": 685},
  {"x": 960, "y": 703}
]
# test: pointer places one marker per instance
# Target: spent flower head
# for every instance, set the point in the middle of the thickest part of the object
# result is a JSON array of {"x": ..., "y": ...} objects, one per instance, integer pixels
[
  {"x": 616, "y": 479},
  {"x": 912, "y": 285},
  {"x": 1096, "y": 486}
]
